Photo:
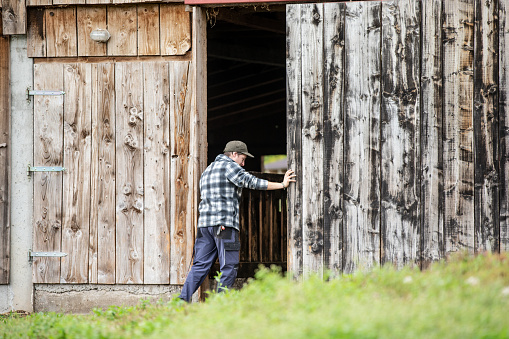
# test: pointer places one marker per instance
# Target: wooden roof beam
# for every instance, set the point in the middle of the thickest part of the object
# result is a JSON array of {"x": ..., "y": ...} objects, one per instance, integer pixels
[
  {"x": 246, "y": 53},
  {"x": 252, "y": 20}
]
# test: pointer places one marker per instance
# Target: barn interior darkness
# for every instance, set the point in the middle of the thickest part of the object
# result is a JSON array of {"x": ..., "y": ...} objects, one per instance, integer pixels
[{"x": 246, "y": 50}]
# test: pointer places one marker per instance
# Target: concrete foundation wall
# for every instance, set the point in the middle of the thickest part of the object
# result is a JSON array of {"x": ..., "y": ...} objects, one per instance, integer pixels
[
  {"x": 84, "y": 298},
  {"x": 18, "y": 294}
]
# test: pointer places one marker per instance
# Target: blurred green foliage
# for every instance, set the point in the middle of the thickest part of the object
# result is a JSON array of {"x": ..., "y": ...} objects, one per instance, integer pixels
[{"x": 467, "y": 297}]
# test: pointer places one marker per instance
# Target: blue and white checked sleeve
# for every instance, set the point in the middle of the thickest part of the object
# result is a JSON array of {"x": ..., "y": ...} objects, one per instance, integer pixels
[{"x": 240, "y": 178}]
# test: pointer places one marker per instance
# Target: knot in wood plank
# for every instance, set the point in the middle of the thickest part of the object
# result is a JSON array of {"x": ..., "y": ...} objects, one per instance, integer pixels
[
  {"x": 312, "y": 131},
  {"x": 56, "y": 224},
  {"x": 138, "y": 205},
  {"x": 74, "y": 225},
  {"x": 130, "y": 141},
  {"x": 127, "y": 189},
  {"x": 316, "y": 17},
  {"x": 42, "y": 226},
  {"x": 315, "y": 240},
  {"x": 10, "y": 16},
  {"x": 122, "y": 207}
]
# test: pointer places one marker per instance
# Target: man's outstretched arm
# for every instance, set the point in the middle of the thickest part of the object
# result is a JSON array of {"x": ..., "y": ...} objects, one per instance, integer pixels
[{"x": 289, "y": 178}]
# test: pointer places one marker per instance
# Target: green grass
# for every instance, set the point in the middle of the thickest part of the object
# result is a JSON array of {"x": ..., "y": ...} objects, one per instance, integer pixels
[{"x": 468, "y": 297}]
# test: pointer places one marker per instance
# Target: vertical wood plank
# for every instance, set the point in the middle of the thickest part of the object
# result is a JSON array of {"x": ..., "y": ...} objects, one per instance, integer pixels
[
  {"x": 175, "y": 29},
  {"x": 486, "y": 157},
  {"x": 458, "y": 48},
  {"x": 199, "y": 110},
  {"x": 312, "y": 137},
  {"x": 400, "y": 133},
  {"x": 13, "y": 17},
  {"x": 76, "y": 179},
  {"x": 362, "y": 136},
  {"x": 244, "y": 222},
  {"x": 122, "y": 25},
  {"x": 129, "y": 171},
  {"x": 48, "y": 151},
  {"x": 334, "y": 31},
  {"x": 148, "y": 30},
  {"x": 432, "y": 139},
  {"x": 5, "y": 114},
  {"x": 265, "y": 227},
  {"x": 294, "y": 144},
  {"x": 61, "y": 32},
  {"x": 181, "y": 172},
  {"x": 276, "y": 229},
  {"x": 199, "y": 133},
  {"x": 102, "y": 223},
  {"x": 94, "y": 181},
  {"x": 254, "y": 221},
  {"x": 157, "y": 173},
  {"x": 89, "y": 19},
  {"x": 36, "y": 33},
  {"x": 503, "y": 77},
  {"x": 284, "y": 233}
]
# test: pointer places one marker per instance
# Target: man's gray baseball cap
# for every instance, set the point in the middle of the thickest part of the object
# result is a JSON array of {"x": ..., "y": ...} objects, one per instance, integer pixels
[{"x": 237, "y": 146}]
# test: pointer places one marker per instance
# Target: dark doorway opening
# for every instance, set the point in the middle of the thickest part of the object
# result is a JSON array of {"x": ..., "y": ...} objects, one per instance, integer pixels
[
  {"x": 246, "y": 52},
  {"x": 246, "y": 89}
]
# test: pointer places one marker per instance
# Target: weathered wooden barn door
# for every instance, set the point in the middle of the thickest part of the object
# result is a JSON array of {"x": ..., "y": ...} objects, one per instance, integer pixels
[
  {"x": 397, "y": 131},
  {"x": 123, "y": 207}
]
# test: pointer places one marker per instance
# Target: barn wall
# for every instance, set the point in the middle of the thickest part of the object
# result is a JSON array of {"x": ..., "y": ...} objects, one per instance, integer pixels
[
  {"x": 397, "y": 120},
  {"x": 77, "y": 211}
]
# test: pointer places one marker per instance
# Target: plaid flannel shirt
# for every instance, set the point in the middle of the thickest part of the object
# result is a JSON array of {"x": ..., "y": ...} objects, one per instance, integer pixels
[{"x": 221, "y": 187}]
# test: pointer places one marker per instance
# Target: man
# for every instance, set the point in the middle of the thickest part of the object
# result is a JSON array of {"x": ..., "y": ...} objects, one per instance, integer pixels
[{"x": 221, "y": 185}]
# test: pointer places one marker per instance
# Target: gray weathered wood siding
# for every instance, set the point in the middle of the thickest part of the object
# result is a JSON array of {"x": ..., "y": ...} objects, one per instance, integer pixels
[{"x": 402, "y": 154}]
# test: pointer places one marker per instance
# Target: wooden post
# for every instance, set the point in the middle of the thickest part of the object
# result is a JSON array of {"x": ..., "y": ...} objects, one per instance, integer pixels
[
  {"x": 199, "y": 108},
  {"x": 181, "y": 171},
  {"x": 5, "y": 147},
  {"x": 294, "y": 126}
]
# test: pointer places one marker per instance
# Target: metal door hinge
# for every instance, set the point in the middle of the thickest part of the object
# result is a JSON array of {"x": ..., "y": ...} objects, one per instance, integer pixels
[
  {"x": 31, "y": 169},
  {"x": 31, "y": 92},
  {"x": 31, "y": 255}
]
